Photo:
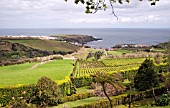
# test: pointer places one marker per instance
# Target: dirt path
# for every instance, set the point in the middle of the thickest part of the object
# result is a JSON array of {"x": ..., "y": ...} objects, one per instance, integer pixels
[
  {"x": 74, "y": 56},
  {"x": 38, "y": 64}
]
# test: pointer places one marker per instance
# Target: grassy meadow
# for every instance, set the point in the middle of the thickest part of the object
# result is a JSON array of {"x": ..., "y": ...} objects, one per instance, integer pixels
[
  {"x": 79, "y": 102},
  {"x": 119, "y": 52},
  {"x": 48, "y": 45},
  {"x": 29, "y": 73}
]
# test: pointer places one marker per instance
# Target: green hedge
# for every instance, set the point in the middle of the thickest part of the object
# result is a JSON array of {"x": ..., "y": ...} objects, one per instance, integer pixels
[
  {"x": 28, "y": 91},
  {"x": 81, "y": 81},
  {"x": 7, "y": 94},
  {"x": 161, "y": 68},
  {"x": 75, "y": 97},
  {"x": 123, "y": 99}
]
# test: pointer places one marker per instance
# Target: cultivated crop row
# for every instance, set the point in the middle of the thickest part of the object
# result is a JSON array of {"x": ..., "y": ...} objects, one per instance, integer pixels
[{"x": 85, "y": 68}]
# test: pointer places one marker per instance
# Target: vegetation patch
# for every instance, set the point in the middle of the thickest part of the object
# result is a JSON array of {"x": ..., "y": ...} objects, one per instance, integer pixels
[
  {"x": 48, "y": 45},
  {"x": 25, "y": 74}
]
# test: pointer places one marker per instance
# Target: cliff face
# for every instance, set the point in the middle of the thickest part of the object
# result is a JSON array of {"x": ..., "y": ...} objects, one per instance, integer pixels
[{"x": 80, "y": 39}]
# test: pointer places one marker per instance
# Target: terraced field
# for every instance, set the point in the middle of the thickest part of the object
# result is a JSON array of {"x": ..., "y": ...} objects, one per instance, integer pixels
[{"x": 85, "y": 68}]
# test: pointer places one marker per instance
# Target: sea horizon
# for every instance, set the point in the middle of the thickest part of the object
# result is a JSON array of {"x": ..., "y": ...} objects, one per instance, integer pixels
[{"x": 110, "y": 36}]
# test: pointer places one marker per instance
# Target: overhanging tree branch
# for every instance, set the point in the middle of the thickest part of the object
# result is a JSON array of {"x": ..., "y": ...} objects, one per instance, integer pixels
[{"x": 92, "y": 6}]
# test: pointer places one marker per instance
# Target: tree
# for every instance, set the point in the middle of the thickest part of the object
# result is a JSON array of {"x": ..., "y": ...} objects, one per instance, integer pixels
[
  {"x": 90, "y": 54},
  {"x": 167, "y": 81},
  {"x": 92, "y": 6},
  {"x": 48, "y": 92},
  {"x": 158, "y": 58},
  {"x": 168, "y": 52},
  {"x": 146, "y": 77},
  {"x": 97, "y": 55},
  {"x": 103, "y": 78},
  {"x": 129, "y": 84}
]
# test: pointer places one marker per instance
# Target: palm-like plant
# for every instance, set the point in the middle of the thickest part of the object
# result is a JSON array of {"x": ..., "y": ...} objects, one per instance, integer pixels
[{"x": 113, "y": 79}]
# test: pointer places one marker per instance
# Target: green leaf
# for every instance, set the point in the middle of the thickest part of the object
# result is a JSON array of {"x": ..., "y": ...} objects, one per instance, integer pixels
[
  {"x": 153, "y": 3},
  {"x": 76, "y": 1},
  {"x": 88, "y": 3},
  {"x": 82, "y": 1}
]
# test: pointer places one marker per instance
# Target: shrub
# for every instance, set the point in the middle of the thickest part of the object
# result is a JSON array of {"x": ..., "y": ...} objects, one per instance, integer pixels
[
  {"x": 7, "y": 94},
  {"x": 163, "y": 100},
  {"x": 75, "y": 97},
  {"x": 47, "y": 93},
  {"x": 123, "y": 99},
  {"x": 81, "y": 81},
  {"x": 20, "y": 102},
  {"x": 29, "y": 92}
]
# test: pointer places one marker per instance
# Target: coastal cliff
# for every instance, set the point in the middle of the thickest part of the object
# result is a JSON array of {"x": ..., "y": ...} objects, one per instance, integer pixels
[{"x": 75, "y": 39}]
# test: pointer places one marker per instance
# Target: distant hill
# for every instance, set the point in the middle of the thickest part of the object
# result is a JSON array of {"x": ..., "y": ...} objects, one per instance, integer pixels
[
  {"x": 47, "y": 45},
  {"x": 14, "y": 50},
  {"x": 161, "y": 45},
  {"x": 80, "y": 39}
]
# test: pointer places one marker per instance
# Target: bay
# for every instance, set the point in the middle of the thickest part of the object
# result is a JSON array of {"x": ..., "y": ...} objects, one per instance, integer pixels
[{"x": 110, "y": 36}]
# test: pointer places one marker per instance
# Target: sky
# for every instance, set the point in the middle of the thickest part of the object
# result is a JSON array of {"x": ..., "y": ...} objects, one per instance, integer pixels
[{"x": 61, "y": 14}]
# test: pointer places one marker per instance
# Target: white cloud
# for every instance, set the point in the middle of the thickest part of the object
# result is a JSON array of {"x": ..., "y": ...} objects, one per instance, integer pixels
[{"x": 51, "y": 13}]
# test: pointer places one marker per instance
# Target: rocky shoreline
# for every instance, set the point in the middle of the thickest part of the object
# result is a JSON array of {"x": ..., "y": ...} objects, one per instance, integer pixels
[{"x": 73, "y": 39}]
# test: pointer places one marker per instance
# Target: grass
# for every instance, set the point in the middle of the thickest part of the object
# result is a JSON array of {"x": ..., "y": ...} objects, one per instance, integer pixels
[
  {"x": 84, "y": 89},
  {"x": 25, "y": 74},
  {"x": 119, "y": 52},
  {"x": 48, "y": 45},
  {"x": 158, "y": 50},
  {"x": 79, "y": 102},
  {"x": 145, "y": 103},
  {"x": 83, "y": 52},
  {"x": 137, "y": 104}
]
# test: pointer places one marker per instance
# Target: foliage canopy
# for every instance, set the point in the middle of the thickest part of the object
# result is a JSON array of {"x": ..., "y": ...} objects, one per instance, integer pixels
[
  {"x": 48, "y": 92},
  {"x": 92, "y": 6},
  {"x": 146, "y": 76}
]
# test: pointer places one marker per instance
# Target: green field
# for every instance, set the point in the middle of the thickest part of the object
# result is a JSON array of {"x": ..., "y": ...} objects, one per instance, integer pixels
[
  {"x": 119, "y": 52},
  {"x": 79, "y": 102},
  {"x": 25, "y": 74},
  {"x": 49, "y": 45},
  {"x": 137, "y": 104}
]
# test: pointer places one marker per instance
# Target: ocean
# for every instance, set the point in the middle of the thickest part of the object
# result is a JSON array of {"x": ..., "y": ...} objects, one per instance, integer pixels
[{"x": 110, "y": 36}]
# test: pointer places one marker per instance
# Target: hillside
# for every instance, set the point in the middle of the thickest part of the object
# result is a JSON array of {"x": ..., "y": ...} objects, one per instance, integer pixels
[
  {"x": 13, "y": 51},
  {"x": 48, "y": 45}
]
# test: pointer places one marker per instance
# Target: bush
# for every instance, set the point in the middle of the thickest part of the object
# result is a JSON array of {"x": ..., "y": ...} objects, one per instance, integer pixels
[
  {"x": 47, "y": 92},
  {"x": 7, "y": 94},
  {"x": 29, "y": 92},
  {"x": 123, "y": 99},
  {"x": 163, "y": 100},
  {"x": 20, "y": 102},
  {"x": 81, "y": 81},
  {"x": 75, "y": 97}
]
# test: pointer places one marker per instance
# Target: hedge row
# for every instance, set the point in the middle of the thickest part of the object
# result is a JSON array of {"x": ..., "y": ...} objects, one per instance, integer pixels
[
  {"x": 7, "y": 94},
  {"x": 75, "y": 97},
  {"x": 81, "y": 81},
  {"x": 26, "y": 60},
  {"x": 123, "y": 99},
  {"x": 28, "y": 91}
]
